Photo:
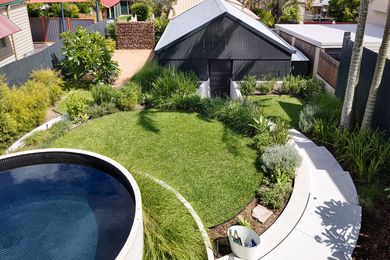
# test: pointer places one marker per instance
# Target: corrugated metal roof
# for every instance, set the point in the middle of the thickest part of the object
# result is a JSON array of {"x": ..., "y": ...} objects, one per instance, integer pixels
[
  {"x": 199, "y": 16},
  {"x": 7, "y": 27},
  {"x": 298, "y": 56},
  {"x": 180, "y": 6}
]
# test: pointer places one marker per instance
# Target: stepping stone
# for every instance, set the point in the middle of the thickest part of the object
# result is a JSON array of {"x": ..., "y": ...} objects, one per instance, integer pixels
[{"x": 261, "y": 213}]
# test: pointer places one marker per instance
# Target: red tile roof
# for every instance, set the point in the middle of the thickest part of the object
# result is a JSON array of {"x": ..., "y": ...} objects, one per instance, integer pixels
[
  {"x": 109, "y": 3},
  {"x": 7, "y": 27},
  {"x": 54, "y": 1}
]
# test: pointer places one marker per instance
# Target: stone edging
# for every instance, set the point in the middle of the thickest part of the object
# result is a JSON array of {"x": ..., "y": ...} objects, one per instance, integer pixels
[{"x": 195, "y": 216}]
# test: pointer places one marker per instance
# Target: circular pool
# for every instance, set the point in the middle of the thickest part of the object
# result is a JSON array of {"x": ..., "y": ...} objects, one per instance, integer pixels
[{"x": 68, "y": 204}]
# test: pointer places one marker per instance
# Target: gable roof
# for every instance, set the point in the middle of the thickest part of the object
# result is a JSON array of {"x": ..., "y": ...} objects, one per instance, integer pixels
[
  {"x": 199, "y": 16},
  {"x": 180, "y": 6}
]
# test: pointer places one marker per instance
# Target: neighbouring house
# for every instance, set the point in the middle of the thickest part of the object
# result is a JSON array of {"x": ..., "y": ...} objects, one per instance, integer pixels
[
  {"x": 180, "y": 6},
  {"x": 113, "y": 8},
  {"x": 323, "y": 43},
  {"x": 318, "y": 11},
  {"x": 221, "y": 44},
  {"x": 15, "y": 35}
]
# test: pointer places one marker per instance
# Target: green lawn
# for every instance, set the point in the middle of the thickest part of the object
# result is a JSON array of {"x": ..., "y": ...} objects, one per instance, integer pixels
[
  {"x": 209, "y": 164},
  {"x": 286, "y": 107},
  {"x": 61, "y": 105}
]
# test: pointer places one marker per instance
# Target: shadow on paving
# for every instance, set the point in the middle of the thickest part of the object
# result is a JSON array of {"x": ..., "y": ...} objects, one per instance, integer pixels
[{"x": 341, "y": 228}]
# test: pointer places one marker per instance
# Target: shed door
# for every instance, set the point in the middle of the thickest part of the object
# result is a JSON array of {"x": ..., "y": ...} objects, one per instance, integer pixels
[{"x": 220, "y": 72}]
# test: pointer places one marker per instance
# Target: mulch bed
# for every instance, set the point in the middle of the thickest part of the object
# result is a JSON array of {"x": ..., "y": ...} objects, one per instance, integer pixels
[
  {"x": 374, "y": 237},
  {"x": 218, "y": 234}
]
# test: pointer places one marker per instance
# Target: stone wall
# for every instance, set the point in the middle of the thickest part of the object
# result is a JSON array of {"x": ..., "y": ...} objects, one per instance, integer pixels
[{"x": 135, "y": 35}]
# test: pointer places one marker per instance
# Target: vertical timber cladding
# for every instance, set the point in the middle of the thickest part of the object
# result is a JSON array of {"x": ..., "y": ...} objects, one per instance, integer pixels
[{"x": 227, "y": 39}]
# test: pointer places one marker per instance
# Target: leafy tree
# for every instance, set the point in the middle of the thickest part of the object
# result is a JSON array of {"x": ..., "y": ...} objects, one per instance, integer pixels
[
  {"x": 84, "y": 7},
  {"x": 277, "y": 6},
  {"x": 142, "y": 10},
  {"x": 344, "y": 10},
  {"x": 159, "y": 27},
  {"x": 36, "y": 10},
  {"x": 88, "y": 59},
  {"x": 266, "y": 17},
  {"x": 290, "y": 14}
]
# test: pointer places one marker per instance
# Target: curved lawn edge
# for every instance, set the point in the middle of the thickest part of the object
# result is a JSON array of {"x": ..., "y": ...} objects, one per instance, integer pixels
[{"x": 190, "y": 209}]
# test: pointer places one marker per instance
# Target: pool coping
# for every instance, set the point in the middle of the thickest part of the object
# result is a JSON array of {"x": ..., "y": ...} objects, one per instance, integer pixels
[{"x": 136, "y": 236}]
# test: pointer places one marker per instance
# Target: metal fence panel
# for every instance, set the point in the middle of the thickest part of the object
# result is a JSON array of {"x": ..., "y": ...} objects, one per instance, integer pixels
[{"x": 381, "y": 118}]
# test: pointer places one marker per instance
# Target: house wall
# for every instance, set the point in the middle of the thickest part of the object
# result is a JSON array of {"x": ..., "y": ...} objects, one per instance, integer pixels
[
  {"x": 377, "y": 11},
  {"x": 21, "y": 40},
  {"x": 227, "y": 39}
]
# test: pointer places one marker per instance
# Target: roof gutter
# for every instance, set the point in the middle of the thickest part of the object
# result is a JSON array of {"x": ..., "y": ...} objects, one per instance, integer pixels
[{"x": 12, "y": 3}]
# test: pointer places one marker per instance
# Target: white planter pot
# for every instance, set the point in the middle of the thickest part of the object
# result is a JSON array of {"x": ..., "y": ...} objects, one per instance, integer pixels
[{"x": 246, "y": 235}]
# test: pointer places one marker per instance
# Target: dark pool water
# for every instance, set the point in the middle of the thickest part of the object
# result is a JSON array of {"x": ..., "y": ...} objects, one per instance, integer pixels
[{"x": 62, "y": 211}]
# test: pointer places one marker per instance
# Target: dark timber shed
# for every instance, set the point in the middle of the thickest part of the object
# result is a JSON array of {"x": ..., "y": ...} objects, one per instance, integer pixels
[{"x": 219, "y": 42}]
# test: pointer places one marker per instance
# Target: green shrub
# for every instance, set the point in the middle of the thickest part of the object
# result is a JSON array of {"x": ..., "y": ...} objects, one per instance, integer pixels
[
  {"x": 189, "y": 103},
  {"x": 265, "y": 88},
  {"x": 76, "y": 108},
  {"x": 171, "y": 85},
  {"x": 248, "y": 85},
  {"x": 239, "y": 115},
  {"x": 147, "y": 75},
  {"x": 269, "y": 133},
  {"x": 97, "y": 111},
  {"x": 212, "y": 107},
  {"x": 21, "y": 109},
  {"x": 323, "y": 111},
  {"x": 142, "y": 10},
  {"x": 102, "y": 94},
  {"x": 51, "y": 80},
  {"x": 124, "y": 18},
  {"x": 290, "y": 14},
  {"x": 293, "y": 85},
  {"x": 314, "y": 87},
  {"x": 88, "y": 59},
  {"x": 128, "y": 97},
  {"x": 307, "y": 117},
  {"x": 84, "y": 7},
  {"x": 266, "y": 17},
  {"x": 159, "y": 27},
  {"x": 70, "y": 10},
  {"x": 274, "y": 195},
  {"x": 111, "y": 31},
  {"x": 280, "y": 161},
  {"x": 366, "y": 152}
]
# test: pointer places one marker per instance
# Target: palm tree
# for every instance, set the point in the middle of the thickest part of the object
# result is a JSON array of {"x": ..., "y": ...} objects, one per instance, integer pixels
[
  {"x": 354, "y": 67},
  {"x": 376, "y": 81}
]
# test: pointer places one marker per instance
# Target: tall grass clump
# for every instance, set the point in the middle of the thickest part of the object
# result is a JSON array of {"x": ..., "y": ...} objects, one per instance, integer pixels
[
  {"x": 147, "y": 75},
  {"x": 248, "y": 85},
  {"x": 170, "y": 231}
]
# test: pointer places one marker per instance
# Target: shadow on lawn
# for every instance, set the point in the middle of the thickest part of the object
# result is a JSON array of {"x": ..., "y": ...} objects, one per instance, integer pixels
[
  {"x": 147, "y": 122},
  {"x": 292, "y": 110},
  {"x": 342, "y": 223},
  {"x": 230, "y": 140}
]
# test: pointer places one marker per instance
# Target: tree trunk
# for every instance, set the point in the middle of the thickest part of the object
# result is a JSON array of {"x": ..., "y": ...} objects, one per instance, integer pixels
[
  {"x": 376, "y": 81},
  {"x": 357, "y": 51}
]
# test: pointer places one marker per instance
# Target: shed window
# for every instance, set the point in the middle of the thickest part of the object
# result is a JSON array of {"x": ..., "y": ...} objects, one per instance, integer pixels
[{"x": 2, "y": 43}]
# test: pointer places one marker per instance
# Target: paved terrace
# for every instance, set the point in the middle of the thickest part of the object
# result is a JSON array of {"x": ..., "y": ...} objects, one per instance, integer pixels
[{"x": 322, "y": 218}]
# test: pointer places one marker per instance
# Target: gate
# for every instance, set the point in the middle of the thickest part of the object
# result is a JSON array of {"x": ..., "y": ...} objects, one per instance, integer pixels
[{"x": 220, "y": 73}]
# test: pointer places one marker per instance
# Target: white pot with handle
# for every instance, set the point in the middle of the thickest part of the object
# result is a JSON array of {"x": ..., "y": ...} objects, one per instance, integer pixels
[{"x": 244, "y": 242}]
